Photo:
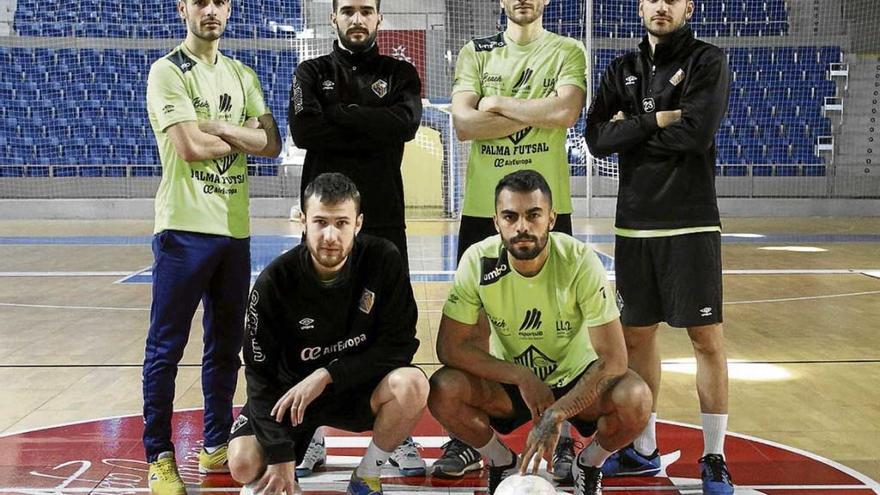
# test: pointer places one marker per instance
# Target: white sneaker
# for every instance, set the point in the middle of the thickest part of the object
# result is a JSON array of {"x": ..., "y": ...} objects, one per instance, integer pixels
[
  {"x": 316, "y": 456},
  {"x": 407, "y": 459}
]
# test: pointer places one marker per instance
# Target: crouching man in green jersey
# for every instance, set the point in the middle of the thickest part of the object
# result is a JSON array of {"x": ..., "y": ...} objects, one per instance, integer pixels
[{"x": 556, "y": 344}]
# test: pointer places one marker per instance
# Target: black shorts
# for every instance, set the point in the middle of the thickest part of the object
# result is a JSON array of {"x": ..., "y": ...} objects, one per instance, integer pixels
[
  {"x": 350, "y": 412},
  {"x": 676, "y": 279},
  {"x": 472, "y": 230},
  {"x": 522, "y": 415}
]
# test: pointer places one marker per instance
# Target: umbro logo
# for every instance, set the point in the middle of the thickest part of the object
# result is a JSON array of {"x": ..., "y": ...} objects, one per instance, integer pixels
[
  {"x": 306, "y": 324},
  {"x": 225, "y": 103},
  {"x": 328, "y": 85},
  {"x": 705, "y": 312},
  {"x": 532, "y": 321},
  {"x": 631, "y": 80}
]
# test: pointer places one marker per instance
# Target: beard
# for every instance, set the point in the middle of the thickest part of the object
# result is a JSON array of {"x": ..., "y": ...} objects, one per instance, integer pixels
[
  {"x": 329, "y": 259},
  {"x": 357, "y": 46},
  {"x": 524, "y": 19},
  {"x": 525, "y": 253},
  {"x": 670, "y": 28},
  {"x": 195, "y": 27}
]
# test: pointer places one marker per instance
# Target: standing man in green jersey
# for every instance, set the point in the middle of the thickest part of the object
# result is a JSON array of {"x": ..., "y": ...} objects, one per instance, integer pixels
[
  {"x": 515, "y": 95},
  {"x": 557, "y": 350},
  {"x": 207, "y": 112}
]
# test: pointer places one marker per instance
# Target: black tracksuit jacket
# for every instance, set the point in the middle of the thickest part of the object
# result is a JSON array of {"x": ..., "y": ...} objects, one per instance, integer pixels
[
  {"x": 352, "y": 113},
  {"x": 667, "y": 176},
  {"x": 360, "y": 328}
]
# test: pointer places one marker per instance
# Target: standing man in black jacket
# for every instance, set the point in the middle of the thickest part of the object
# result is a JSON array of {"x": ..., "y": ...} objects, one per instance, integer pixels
[
  {"x": 353, "y": 110},
  {"x": 331, "y": 328},
  {"x": 659, "y": 109}
]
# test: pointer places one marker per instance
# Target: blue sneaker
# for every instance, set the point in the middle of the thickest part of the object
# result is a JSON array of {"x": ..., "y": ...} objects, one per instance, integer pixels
[
  {"x": 628, "y": 462},
  {"x": 716, "y": 477},
  {"x": 364, "y": 486}
]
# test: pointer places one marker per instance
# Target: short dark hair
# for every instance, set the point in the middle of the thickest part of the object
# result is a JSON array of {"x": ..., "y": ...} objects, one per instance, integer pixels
[
  {"x": 524, "y": 181},
  {"x": 336, "y": 5},
  {"x": 332, "y": 188}
]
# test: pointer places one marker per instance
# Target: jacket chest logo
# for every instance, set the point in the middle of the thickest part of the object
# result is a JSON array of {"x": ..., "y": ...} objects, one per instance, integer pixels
[
  {"x": 380, "y": 87},
  {"x": 631, "y": 80},
  {"x": 677, "y": 78},
  {"x": 306, "y": 323},
  {"x": 368, "y": 298},
  {"x": 328, "y": 85}
]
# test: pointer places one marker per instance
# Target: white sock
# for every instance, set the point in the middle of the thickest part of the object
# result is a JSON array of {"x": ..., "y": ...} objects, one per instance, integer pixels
[
  {"x": 565, "y": 429},
  {"x": 594, "y": 455},
  {"x": 714, "y": 430},
  {"x": 371, "y": 464},
  {"x": 318, "y": 437},
  {"x": 496, "y": 452},
  {"x": 646, "y": 442}
]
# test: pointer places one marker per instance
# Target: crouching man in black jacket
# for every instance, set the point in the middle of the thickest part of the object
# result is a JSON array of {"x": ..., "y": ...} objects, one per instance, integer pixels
[
  {"x": 329, "y": 340},
  {"x": 659, "y": 109}
]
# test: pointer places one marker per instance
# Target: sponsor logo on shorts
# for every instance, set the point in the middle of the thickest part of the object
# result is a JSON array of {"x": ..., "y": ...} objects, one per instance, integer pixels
[
  {"x": 705, "y": 312},
  {"x": 240, "y": 421},
  {"x": 367, "y": 300}
]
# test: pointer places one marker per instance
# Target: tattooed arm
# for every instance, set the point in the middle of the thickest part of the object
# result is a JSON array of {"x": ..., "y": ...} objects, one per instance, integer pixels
[{"x": 587, "y": 393}]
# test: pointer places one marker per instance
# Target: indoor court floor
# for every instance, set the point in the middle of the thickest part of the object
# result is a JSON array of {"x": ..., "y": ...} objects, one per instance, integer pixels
[{"x": 802, "y": 319}]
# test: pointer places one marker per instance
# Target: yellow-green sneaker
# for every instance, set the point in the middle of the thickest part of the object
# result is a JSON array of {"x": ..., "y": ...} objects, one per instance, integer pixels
[
  {"x": 215, "y": 462},
  {"x": 163, "y": 477},
  {"x": 367, "y": 485}
]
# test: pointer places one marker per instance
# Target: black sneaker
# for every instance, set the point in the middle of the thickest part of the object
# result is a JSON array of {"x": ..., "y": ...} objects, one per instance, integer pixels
[
  {"x": 563, "y": 457},
  {"x": 458, "y": 458},
  {"x": 587, "y": 480},
  {"x": 497, "y": 474},
  {"x": 716, "y": 477}
]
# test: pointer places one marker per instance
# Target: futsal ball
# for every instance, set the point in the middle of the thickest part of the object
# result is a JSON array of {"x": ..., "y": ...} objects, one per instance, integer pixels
[{"x": 525, "y": 485}]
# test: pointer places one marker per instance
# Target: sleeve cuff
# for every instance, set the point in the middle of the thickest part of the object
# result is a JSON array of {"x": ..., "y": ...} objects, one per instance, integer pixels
[
  {"x": 648, "y": 122},
  {"x": 279, "y": 455}
]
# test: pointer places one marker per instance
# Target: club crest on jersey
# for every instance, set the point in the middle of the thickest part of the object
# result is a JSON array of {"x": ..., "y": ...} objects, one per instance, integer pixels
[
  {"x": 535, "y": 360},
  {"x": 368, "y": 298},
  {"x": 648, "y": 105},
  {"x": 380, "y": 87}
]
